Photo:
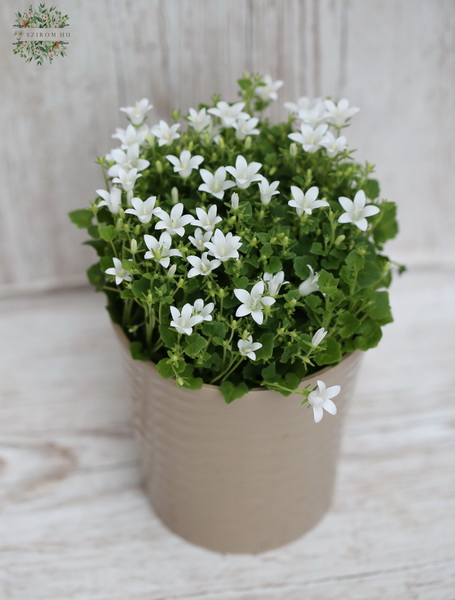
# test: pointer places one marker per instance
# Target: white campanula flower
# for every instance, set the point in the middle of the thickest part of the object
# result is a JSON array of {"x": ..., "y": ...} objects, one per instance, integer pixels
[
  {"x": 199, "y": 239},
  {"x": 184, "y": 321},
  {"x": 175, "y": 222},
  {"x": 127, "y": 179},
  {"x": 138, "y": 112},
  {"x": 310, "y": 284},
  {"x": 305, "y": 202},
  {"x": 165, "y": 134},
  {"x": 223, "y": 247},
  {"x": 144, "y": 210},
  {"x": 269, "y": 89},
  {"x": 214, "y": 132},
  {"x": 229, "y": 113},
  {"x": 186, "y": 163},
  {"x": 199, "y": 120},
  {"x": 203, "y": 311},
  {"x": 131, "y": 135},
  {"x": 274, "y": 282},
  {"x": 321, "y": 398},
  {"x": 119, "y": 272},
  {"x": 339, "y": 114},
  {"x": 356, "y": 211},
  {"x": 244, "y": 127},
  {"x": 311, "y": 139},
  {"x": 127, "y": 160},
  {"x": 253, "y": 303},
  {"x": 244, "y": 173},
  {"x": 235, "y": 201},
  {"x": 268, "y": 190},
  {"x": 303, "y": 103},
  {"x": 160, "y": 250},
  {"x": 334, "y": 145},
  {"x": 318, "y": 337},
  {"x": 314, "y": 115},
  {"x": 202, "y": 266},
  {"x": 215, "y": 183},
  {"x": 248, "y": 347},
  {"x": 207, "y": 220},
  {"x": 112, "y": 199}
]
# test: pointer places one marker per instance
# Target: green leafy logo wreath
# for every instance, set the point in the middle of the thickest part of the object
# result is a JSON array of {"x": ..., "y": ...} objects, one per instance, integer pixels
[{"x": 41, "y": 50}]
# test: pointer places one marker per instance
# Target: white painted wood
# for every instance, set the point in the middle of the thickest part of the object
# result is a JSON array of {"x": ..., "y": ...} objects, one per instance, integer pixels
[{"x": 75, "y": 523}]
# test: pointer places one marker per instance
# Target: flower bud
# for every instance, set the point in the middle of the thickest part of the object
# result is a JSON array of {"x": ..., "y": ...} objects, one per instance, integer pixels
[
  {"x": 129, "y": 197},
  {"x": 150, "y": 140},
  {"x": 340, "y": 239},
  {"x": 159, "y": 166},
  {"x": 293, "y": 149},
  {"x": 235, "y": 201},
  {"x": 221, "y": 143},
  {"x": 137, "y": 229},
  {"x": 248, "y": 142},
  {"x": 119, "y": 224},
  {"x": 174, "y": 195},
  {"x": 149, "y": 298},
  {"x": 133, "y": 246},
  {"x": 172, "y": 270}
]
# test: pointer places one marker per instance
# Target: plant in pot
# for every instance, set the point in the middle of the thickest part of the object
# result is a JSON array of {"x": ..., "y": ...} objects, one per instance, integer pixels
[{"x": 243, "y": 267}]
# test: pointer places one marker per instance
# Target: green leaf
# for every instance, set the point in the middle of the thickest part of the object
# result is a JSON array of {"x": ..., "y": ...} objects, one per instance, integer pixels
[
  {"x": 214, "y": 328},
  {"x": 355, "y": 261},
  {"x": 232, "y": 391},
  {"x": 96, "y": 276},
  {"x": 140, "y": 287},
  {"x": 379, "y": 308},
  {"x": 81, "y": 218},
  {"x": 169, "y": 336},
  {"x": 267, "y": 250},
  {"x": 370, "y": 335},
  {"x": 369, "y": 276},
  {"x": 300, "y": 267},
  {"x": 98, "y": 245},
  {"x": 107, "y": 233},
  {"x": 266, "y": 339},
  {"x": 292, "y": 381},
  {"x": 327, "y": 282},
  {"x": 137, "y": 352},
  {"x": 387, "y": 227},
  {"x": 274, "y": 265},
  {"x": 371, "y": 189},
  {"x": 348, "y": 323},
  {"x": 194, "y": 344},
  {"x": 330, "y": 355},
  {"x": 316, "y": 248},
  {"x": 193, "y": 383},
  {"x": 269, "y": 373},
  {"x": 217, "y": 341},
  {"x": 165, "y": 368}
]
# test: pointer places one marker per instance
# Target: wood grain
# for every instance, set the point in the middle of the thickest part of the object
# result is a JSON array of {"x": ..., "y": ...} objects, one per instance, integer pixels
[
  {"x": 75, "y": 522},
  {"x": 395, "y": 60}
]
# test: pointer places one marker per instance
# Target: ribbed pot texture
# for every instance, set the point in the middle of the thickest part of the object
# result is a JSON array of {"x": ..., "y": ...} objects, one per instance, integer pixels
[{"x": 245, "y": 477}]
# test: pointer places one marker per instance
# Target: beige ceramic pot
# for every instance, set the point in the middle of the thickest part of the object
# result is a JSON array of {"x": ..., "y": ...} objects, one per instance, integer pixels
[{"x": 245, "y": 477}]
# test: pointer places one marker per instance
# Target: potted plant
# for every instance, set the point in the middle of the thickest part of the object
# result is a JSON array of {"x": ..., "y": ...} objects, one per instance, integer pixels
[{"x": 243, "y": 267}]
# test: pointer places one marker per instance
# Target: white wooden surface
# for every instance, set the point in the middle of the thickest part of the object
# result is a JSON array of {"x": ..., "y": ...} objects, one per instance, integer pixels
[
  {"x": 75, "y": 523},
  {"x": 393, "y": 58}
]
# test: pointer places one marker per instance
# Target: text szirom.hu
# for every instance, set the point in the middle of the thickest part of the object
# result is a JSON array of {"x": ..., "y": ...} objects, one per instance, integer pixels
[{"x": 35, "y": 35}]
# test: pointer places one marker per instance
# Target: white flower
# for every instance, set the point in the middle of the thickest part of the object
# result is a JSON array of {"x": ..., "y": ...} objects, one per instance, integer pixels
[
  {"x": 311, "y": 139},
  {"x": 318, "y": 337},
  {"x": 127, "y": 179},
  {"x": 305, "y": 202},
  {"x": 244, "y": 173},
  {"x": 223, "y": 247},
  {"x": 356, "y": 212},
  {"x": 203, "y": 311},
  {"x": 253, "y": 302},
  {"x": 310, "y": 284},
  {"x": 200, "y": 238},
  {"x": 268, "y": 91},
  {"x": 120, "y": 273},
  {"x": 304, "y": 102},
  {"x": 199, "y": 120},
  {"x": 215, "y": 183},
  {"x": 144, "y": 210},
  {"x": 207, "y": 220},
  {"x": 165, "y": 134},
  {"x": 248, "y": 347},
  {"x": 127, "y": 160},
  {"x": 186, "y": 163},
  {"x": 202, "y": 266},
  {"x": 314, "y": 115},
  {"x": 338, "y": 114},
  {"x": 334, "y": 145},
  {"x": 274, "y": 282},
  {"x": 229, "y": 113},
  {"x": 131, "y": 135},
  {"x": 175, "y": 222},
  {"x": 138, "y": 112},
  {"x": 268, "y": 190},
  {"x": 235, "y": 201},
  {"x": 321, "y": 399},
  {"x": 160, "y": 250},
  {"x": 184, "y": 321},
  {"x": 244, "y": 127},
  {"x": 112, "y": 200}
]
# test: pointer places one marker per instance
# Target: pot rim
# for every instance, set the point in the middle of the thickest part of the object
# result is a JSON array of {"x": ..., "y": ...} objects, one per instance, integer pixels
[{"x": 124, "y": 340}]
